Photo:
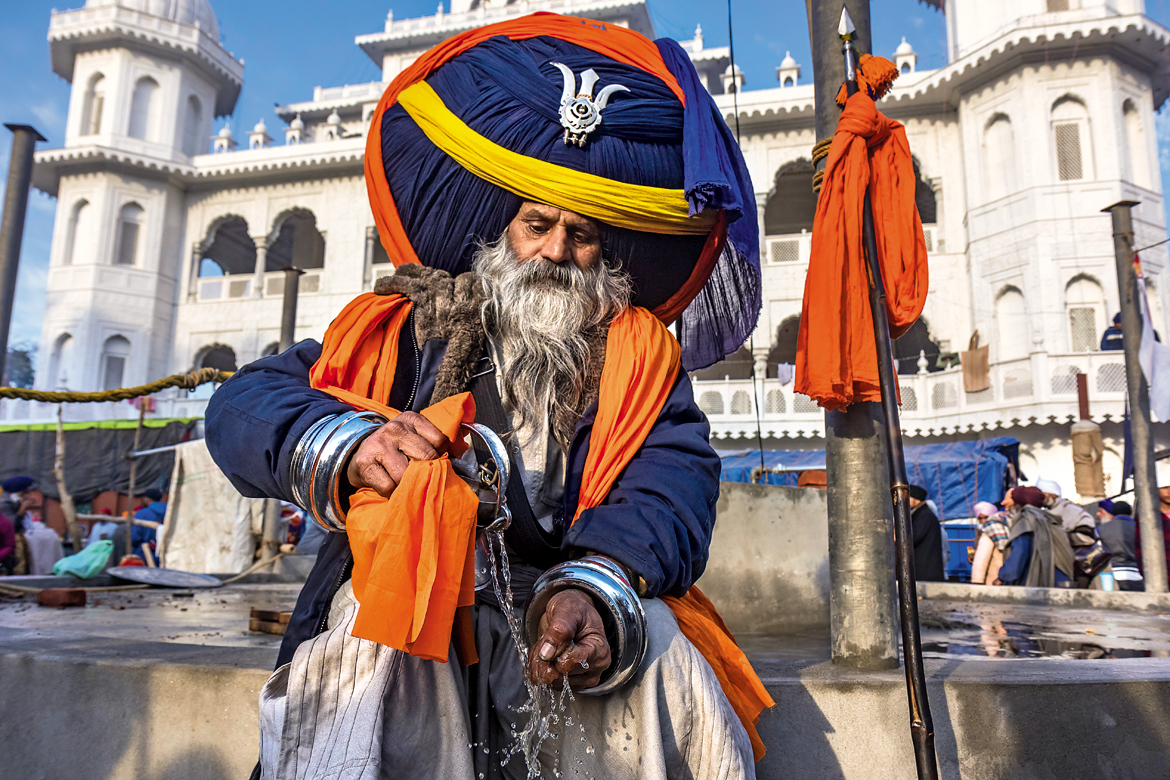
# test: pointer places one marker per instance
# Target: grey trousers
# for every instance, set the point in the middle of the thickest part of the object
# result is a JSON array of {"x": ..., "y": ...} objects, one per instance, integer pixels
[{"x": 352, "y": 709}]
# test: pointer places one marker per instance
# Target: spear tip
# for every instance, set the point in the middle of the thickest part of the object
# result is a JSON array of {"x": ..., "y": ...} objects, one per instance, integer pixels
[{"x": 846, "y": 26}]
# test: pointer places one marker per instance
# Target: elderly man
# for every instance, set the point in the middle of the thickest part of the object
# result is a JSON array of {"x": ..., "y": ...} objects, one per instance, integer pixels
[{"x": 553, "y": 191}]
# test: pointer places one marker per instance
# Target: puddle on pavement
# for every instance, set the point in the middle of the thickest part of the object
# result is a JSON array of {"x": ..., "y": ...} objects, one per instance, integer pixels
[{"x": 959, "y": 629}]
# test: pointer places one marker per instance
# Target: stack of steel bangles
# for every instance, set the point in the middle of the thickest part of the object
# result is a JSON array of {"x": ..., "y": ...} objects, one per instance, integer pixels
[{"x": 319, "y": 461}]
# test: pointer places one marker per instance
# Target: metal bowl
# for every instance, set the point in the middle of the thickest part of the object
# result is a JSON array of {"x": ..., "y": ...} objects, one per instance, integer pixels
[{"x": 621, "y": 612}]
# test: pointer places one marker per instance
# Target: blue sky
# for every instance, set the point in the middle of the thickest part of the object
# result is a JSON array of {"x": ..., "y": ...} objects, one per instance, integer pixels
[{"x": 293, "y": 45}]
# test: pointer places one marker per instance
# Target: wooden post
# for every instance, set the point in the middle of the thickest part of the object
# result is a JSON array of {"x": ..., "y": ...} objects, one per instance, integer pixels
[
  {"x": 134, "y": 474},
  {"x": 66, "y": 499}
]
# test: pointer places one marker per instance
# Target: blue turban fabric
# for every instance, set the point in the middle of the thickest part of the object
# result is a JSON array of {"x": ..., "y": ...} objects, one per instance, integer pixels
[
  {"x": 509, "y": 92},
  {"x": 16, "y": 484}
]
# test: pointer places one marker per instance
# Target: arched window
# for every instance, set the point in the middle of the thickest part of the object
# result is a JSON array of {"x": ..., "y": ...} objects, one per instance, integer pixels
[
  {"x": 60, "y": 363},
  {"x": 792, "y": 203},
  {"x": 193, "y": 127},
  {"x": 910, "y": 345},
  {"x": 115, "y": 355},
  {"x": 1011, "y": 325},
  {"x": 77, "y": 233},
  {"x": 218, "y": 356},
  {"x": 1071, "y": 139},
  {"x": 784, "y": 349},
  {"x": 1084, "y": 300},
  {"x": 228, "y": 249},
  {"x": 95, "y": 101},
  {"x": 924, "y": 197},
  {"x": 129, "y": 224},
  {"x": 734, "y": 366},
  {"x": 999, "y": 157},
  {"x": 298, "y": 242},
  {"x": 142, "y": 109},
  {"x": 1137, "y": 157}
]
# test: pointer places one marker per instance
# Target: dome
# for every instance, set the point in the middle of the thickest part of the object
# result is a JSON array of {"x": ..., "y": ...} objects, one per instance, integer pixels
[
  {"x": 904, "y": 48},
  {"x": 788, "y": 61},
  {"x": 225, "y": 132},
  {"x": 334, "y": 118},
  {"x": 297, "y": 123},
  {"x": 260, "y": 127},
  {"x": 184, "y": 11}
]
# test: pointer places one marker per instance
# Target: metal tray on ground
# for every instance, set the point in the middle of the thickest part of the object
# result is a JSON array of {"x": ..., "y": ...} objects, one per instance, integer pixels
[{"x": 167, "y": 578}]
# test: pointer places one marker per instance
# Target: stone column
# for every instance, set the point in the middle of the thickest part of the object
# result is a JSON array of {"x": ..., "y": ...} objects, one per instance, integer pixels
[
  {"x": 193, "y": 276},
  {"x": 368, "y": 265},
  {"x": 261, "y": 262}
]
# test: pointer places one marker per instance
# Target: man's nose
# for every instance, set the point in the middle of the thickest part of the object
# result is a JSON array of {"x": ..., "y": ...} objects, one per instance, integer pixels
[{"x": 556, "y": 246}]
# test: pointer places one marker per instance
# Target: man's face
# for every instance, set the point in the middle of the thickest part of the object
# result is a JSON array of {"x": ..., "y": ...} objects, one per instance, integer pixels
[
  {"x": 540, "y": 232},
  {"x": 1164, "y": 495},
  {"x": 1050, "y": 499},
  {"x": 914, "y": 502}
]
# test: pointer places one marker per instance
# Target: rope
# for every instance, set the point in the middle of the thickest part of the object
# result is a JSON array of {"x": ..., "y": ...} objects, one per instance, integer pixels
[
  {"x": 819, "y": 152},
  {"x": 254, "y": 567},
  {"x": 188, "y": 381}
]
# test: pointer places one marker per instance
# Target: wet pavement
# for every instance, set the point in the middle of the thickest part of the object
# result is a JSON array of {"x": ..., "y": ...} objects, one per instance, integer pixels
[
  {"x": 216, "y": 617},
  {"x": 960, "y": 629}
]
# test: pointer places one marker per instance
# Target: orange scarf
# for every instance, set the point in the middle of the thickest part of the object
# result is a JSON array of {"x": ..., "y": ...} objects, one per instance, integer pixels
[
  {"x": 836, "y": 359},
  {"x": 429, "y": 522}
]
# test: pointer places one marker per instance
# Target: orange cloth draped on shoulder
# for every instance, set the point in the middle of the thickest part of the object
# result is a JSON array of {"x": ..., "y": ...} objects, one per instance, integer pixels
[
  {"x": 641, "y": 366},
  {"x": 836, "y": 359},
  {"x": 413, "y": 553}
]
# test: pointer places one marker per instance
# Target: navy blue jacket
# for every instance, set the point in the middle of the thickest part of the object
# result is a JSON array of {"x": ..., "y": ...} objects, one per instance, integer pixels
[{"x": 657, "y": 519}]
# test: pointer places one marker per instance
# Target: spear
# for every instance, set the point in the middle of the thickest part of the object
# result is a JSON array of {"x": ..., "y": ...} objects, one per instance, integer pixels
[{"x": 921, "y": 724}]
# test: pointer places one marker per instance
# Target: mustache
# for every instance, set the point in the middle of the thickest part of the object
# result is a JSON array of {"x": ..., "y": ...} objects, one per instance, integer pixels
[{"x": 537, "y": 270}]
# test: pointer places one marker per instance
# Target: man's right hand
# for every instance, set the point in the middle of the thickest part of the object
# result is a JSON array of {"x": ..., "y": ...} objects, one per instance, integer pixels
[{"x": 382, "y": 458}]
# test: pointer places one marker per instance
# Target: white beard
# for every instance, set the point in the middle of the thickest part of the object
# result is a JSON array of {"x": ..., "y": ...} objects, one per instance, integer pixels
[{"x": 540, "y": 314}]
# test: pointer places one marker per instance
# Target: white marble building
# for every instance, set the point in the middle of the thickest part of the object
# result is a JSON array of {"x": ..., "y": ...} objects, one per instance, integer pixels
[{"x": 166, "y": 255}]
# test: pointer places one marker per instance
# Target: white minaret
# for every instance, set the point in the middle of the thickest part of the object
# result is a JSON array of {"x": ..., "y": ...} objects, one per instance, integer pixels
[{"x": 148, "y": 79}]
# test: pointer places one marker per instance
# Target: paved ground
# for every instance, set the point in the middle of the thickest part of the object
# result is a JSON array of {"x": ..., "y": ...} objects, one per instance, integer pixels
[{"x": 215, "y": 617}]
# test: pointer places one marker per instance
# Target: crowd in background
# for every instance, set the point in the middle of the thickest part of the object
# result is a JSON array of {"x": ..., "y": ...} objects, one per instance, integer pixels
[{"x": 1038, "y": 538}]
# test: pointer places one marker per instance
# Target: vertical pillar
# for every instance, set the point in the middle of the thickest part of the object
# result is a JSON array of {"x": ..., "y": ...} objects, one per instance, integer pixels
[
  {"x": 288, "y": 315},
  {"x": 24, "y": 139},
  {"x": 193, "y": 276},
  {"x": 368, "y": 264},
  {"x": 261, "y": 266},
  {"x": 861, "y": 535},
  {"x": 1145, "y": 484}
]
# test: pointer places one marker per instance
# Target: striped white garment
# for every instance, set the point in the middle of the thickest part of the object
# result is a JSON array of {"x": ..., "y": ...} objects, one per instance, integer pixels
[{"x": 351, "y": 709}]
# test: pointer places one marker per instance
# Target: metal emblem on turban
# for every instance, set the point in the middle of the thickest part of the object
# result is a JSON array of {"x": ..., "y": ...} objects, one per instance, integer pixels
[{"x": 580, "y": 111}]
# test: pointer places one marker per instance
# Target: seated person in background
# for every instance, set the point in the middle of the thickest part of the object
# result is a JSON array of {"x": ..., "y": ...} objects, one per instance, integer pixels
[
  {"x": 990, "y": 544},
  {"x": 154, "y": 511},
  {"x": 1039, "y": 554},
  {"x": 928, "y": 554},
  {"x": 1119, "y": 533}
]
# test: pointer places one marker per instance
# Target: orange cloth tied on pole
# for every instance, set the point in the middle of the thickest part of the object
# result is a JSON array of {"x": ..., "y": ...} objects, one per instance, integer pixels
[{"x": 836, "y": 327}]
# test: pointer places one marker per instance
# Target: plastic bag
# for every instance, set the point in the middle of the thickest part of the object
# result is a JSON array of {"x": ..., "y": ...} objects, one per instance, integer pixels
[{"x": 87, "y": 563}]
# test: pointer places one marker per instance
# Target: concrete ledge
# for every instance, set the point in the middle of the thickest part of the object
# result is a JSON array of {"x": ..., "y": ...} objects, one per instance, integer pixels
[
  {"x": 105, "y": 709},
  {"x": 1046, "y": 597},
  {"x": 994, "y": 720}
]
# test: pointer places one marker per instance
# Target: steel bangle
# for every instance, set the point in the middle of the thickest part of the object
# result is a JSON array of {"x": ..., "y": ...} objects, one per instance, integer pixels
[
  {"x": 621, "y": 612},
  {"x": 319, "y": 461}
]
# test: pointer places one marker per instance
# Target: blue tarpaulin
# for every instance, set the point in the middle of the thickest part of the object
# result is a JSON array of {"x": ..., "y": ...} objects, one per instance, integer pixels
[{"x": 955, "y": 475}]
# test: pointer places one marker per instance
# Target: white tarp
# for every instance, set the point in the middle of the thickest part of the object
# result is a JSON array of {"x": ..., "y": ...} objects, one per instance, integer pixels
[
  {"x": 1154, "y": 357},
  {"x": 209, "y": 526}
]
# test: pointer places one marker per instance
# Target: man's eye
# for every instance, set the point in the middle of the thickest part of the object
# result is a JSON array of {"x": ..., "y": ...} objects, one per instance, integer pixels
[{"x": 538, "y": 228}]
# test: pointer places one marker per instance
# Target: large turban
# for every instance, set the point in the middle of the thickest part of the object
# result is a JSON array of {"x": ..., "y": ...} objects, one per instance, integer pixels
[{"x": 473, "y": 129}]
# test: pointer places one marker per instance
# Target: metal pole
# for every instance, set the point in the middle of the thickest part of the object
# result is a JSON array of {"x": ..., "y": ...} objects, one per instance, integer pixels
[
  {"x": 20, "y": 164},
  {"x": 861, "y": 545},
  {"x": 134, "y": 473},
  {"x": 1145, "y": 484},
  {"x": 288, "y": 315}
]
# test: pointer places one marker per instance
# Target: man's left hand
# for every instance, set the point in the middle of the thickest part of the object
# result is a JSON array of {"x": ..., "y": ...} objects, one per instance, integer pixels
[{"x": 571, "y": 631}]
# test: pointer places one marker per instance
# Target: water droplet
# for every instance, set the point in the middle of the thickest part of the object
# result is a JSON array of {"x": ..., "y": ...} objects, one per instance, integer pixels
[
  {"x": 486, "y": 751},
  {"x": 589, "y": 749},
  {"x": 584, "y": 664},
  {"x": 481, "y": 776}
]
